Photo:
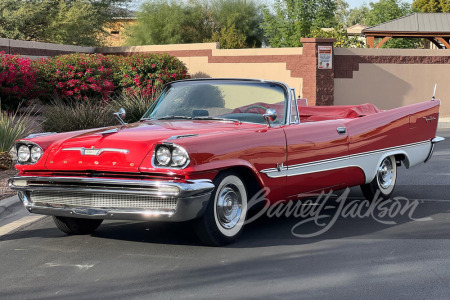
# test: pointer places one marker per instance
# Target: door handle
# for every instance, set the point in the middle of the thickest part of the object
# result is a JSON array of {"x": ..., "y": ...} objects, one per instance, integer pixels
[{"x": 341, "y": 130}]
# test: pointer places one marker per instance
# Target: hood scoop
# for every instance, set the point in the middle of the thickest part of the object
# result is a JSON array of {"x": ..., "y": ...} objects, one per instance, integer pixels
[
  {"x": 176, "y": 137},
  {"x": 110, "y": 131}
]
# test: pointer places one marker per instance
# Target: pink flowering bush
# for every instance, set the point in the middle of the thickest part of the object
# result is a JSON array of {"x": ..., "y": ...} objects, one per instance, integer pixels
[
  {"x": 76, "y": 76},
  {"x": 17, "y": 80},
  {"x": 144, "y": 74},
  {"x": 96, "y": 76}
]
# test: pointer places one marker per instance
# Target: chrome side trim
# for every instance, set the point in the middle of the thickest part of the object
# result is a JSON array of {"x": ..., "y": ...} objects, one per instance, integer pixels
[{"x": 368, "y": 161}]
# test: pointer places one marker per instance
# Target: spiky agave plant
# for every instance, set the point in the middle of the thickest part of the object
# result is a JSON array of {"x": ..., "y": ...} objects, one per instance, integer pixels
[
  {"x": 12, "y": 127},
  {"x": 135, "y": 104}
]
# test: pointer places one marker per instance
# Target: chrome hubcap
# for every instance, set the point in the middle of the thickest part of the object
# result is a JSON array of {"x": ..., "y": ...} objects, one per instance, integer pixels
[
  {"x": 229, "y": 206},
  {"x": 385, "y": 173}
]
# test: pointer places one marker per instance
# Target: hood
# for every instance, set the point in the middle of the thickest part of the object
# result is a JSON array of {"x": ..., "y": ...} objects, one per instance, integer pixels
[{"x": 123, "y": 148}]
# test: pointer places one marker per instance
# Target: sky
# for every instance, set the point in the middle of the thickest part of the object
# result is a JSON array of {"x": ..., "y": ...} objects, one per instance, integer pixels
[{"x": 352, "y": 3}]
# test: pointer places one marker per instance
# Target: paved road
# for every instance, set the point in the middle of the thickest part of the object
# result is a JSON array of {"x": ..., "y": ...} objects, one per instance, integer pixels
[{"x": 356, "y": 258}]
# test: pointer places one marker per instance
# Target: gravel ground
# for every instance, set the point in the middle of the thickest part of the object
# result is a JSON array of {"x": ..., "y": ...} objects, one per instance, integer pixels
[{"x": 5, "y": 191}]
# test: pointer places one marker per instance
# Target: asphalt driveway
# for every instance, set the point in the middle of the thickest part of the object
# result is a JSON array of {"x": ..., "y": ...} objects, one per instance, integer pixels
[{"x": 403, "y": 257}]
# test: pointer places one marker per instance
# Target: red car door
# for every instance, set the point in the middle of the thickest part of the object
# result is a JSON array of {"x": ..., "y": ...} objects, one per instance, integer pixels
[{"x": 313, "y": 152}]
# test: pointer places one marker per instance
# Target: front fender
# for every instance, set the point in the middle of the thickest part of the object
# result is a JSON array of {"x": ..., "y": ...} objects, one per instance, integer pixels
[{"x": 220, "y": 165}]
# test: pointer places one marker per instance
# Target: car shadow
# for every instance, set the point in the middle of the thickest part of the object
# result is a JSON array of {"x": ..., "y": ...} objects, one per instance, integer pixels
[{"x": 428, "y": 220}]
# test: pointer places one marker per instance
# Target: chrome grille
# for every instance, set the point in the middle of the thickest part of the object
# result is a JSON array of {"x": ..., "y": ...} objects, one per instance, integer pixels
[{"x": 102, "y": 200}]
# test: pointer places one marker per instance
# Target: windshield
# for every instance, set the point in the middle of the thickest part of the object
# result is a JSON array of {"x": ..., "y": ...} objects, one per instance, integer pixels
[{"x": 242, "y": 101}]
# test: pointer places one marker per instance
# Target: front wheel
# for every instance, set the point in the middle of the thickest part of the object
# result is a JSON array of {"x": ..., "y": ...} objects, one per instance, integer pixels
[
  {"x": 224, "y": 217},
  {"x": 76, "y": 225},
  {"x": 384, "y": 182}
]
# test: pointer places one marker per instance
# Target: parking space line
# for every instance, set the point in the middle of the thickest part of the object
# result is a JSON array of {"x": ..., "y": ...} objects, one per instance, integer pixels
[{"x": 18, "y": 223}]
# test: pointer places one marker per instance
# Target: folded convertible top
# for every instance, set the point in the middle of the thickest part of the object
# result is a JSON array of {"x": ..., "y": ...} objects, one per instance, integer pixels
[{"x": 320, "y": 113}]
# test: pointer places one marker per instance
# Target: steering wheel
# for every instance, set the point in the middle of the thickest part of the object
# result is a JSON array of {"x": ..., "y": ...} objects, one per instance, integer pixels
[{"x": 254, "y": 106}]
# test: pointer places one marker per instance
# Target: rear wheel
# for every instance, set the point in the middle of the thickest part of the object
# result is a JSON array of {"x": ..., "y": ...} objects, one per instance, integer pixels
[
  {"x": 384, "y": 182},
  {"x": 76, "y": 225},
  {"x": 224, "y": 217}
]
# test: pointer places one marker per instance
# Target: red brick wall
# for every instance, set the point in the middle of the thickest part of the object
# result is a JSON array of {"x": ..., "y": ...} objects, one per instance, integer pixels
[{"x": 345, "y": 65}]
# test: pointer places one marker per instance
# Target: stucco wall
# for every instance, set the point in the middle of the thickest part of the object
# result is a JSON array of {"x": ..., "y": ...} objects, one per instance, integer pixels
[{"x": 392, "y": 78}]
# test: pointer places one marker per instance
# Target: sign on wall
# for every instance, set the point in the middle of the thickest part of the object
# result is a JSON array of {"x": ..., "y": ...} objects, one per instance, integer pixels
[{"x": 325, "y": 57}]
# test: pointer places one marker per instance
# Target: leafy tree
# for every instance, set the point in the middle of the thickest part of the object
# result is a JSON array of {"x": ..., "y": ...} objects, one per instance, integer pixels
[
  {"x": 357, "y": 16},
  {"x": 233, "y": 23},
  {"x": 237, "y": 18},
  {"x": 431, "y": 6},
  {"x": 293, "y": 19},
  {"x": 386, "y": 10},
  {"x": 169, "y": 22},
  {"x": 228, "y": 38},
  {"x": 77, "y": 22},
  {"x": 23, "y": 20},
  {"x": 342, "y": 11}
]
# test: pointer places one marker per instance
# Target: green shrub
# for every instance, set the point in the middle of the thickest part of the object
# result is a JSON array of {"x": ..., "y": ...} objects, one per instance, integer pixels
[{"x": 66, "y": 115}]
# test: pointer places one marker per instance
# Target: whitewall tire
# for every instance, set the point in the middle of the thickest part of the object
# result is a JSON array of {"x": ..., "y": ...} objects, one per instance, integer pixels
[
  {"x": 384, "y": 182},
  {"x": 224, "y": 217}
]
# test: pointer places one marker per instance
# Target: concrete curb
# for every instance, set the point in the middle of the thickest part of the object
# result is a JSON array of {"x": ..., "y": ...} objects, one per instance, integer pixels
[
  {"x": 9, "y": 201},
  {"x": 444, "y": 123},
  {"x": 14, "y": 217}
]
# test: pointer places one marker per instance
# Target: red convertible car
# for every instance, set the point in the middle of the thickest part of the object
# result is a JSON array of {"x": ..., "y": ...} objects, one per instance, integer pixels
[{"x": 206, "y": 146}]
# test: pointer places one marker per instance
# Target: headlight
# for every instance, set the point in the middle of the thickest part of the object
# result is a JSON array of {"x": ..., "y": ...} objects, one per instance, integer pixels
[
  {"x": 36, "y": 153},
  {"x": 23, "y": 153},
  {"x": 179, "y": 157},
  {"x": 28, "y": 153},
  {"x": 163, "y": 156},
  {"x": 170, "y": 155}
]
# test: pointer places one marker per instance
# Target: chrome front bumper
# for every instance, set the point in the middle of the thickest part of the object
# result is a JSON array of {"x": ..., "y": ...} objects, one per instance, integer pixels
[{"x": 117, "y": 199}]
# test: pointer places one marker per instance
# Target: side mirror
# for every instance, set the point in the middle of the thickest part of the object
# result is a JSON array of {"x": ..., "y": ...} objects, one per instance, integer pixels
[
  {"x": 270, "y": 116},
  {"x": 120, "y": 115}
]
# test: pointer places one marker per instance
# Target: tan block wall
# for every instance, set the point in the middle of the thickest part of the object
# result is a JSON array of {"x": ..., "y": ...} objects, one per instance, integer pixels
[
  {"x": 199, "y": 67},
  {"x": 392, "y": 78}
]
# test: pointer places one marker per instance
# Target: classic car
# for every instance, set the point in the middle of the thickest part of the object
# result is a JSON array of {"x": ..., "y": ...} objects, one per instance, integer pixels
[{"x": 206, "y": 146}]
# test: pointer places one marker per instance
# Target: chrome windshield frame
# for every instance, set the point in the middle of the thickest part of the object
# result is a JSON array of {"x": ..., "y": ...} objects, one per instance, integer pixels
[{"x": 286, "y": 88}]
